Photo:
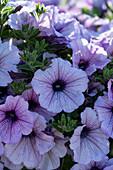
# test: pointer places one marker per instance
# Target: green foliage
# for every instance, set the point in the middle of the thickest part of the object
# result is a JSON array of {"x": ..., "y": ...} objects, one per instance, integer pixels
[
  {"x": 86, "y": 11},
  {"x": 19, "y": 88},
  {"x": 27, "y": 33},
  {"x": 40, "y": 9},
  {"x": 5, "y": 11},
  {"x": 65, "y": 124},
  {"x": 67, "y": 163},
  {"x": 31, "y": 59}
]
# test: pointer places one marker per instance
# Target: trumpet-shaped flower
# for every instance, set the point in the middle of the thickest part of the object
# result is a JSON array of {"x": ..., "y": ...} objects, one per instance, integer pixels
[
  {"x": 60, "y": 86},
  {"x": 9, "y": 58},
  {"x": 88, "y": 142},
  {"x": 15, "y": 119}
]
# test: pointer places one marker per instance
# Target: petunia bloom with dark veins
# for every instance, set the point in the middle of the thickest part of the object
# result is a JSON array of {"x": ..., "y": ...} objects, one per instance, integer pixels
[
  {"x": 60, "y": 86},
  {"x": 88, "y": 56},
  {"x": 34, "y": 106},
  {"x": 101, "y": 165},
  {"x": 104, "y": 108},
  {"x": 88, "y": 142},
  {"x": 31, "y": 148},
  {"x": 15, "y": 119}
]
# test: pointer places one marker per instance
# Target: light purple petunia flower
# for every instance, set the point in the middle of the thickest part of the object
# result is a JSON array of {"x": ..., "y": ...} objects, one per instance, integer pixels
[
  {"x": 88, "y": 57},
  {"x": 60, "y": 86},
  {"x": 34, "y": 106},
  {"x": 22, "y": 17},
  {"x": 8, "y": 164},
  {"x": 104, "y": 108},
  {"x": 102, "y": 165},
  {"x": 110, "y": 90},
  {"x": 51, "y": 159},
  {"x": 92, "y": 88},
  {"x": 59, "y": 27},
  {"x": 9, "y": 58},
  {"x": 48, "y": 2},
  {"x": 15, "y": 119},
  {"x": 30, "y": 149},
  {"x": 88, "y": 142}
]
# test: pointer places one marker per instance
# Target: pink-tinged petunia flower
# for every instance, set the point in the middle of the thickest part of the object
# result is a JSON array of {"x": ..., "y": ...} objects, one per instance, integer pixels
[
  {"x": 22, "y": 17},
  {"x": 88, "y": 142},
  {"x": 104, "y": 108},
  {"x": 110, "y": 90},
  {"x": 15, "y": 119},
  {"x": 9, "y": 58},
  {"x": 33, "y": 99},
  {"x": 60, "y": 86},
  {"x": 87, "y": 56},
  {"x": 8, "y": 164},
  {"x": 102, "y": 165},
  {"x": 30, "y": 149},
  {"x": 51, "y": 159}
]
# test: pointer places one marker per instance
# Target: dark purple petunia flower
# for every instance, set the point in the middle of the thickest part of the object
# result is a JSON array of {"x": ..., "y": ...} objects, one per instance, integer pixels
[
  {"x": 104, "y": 108},
  {"x": 101, "y": 165},
  {"x": 88, "y": 142},
  {"x": 87, "y": 56},
  {"x": 60, "y": 86},
  {"x": 31, "y": 148},
  {"x": 34, "y": 106},
  {"x": 15, "y": 119}
]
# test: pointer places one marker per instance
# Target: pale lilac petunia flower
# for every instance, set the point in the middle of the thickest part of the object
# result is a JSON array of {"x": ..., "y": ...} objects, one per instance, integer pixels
[
  {"x": 101, "y": 165},
  {"x": 87, "y": 56},
  {"x": 88, "y": 142},
  {"x": 15, "y": 119},
  {"x": 104, "y": 108},
  {"x": 110, "y": 90},
  {"x": 92, "y": 88},
  {"x": 34, "y": 106},
  {"x": 10, "y": 165},
  {"x": 9, "y": 58},
  {"x": 51, "y": 159},
  {"x": 60, "y": 86},
  {"x": 30, "y": 149},
  {"x": 22, "y": 17}
]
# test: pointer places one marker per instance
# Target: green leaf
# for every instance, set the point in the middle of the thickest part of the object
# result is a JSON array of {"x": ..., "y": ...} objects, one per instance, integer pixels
[{"x": 24, "y": 67}]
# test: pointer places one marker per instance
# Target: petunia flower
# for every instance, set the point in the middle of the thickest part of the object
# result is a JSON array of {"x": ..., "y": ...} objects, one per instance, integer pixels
[
  {"x": 34, "y": 106},
  {"x": 87, "y": 56},
  {"x": 15, "y": 119},
  {"x": 8, "y": 164},
  {"x": 60, "y": 86},
  {"x": 51, "y": 159},
  {"x": 88, "y": 142},
  {"x": 9, "y": 58},
  {"x": 104, "y": 108},
  {"x": 102, "y": 165},
  {"x": 110, "y": 90},
  {"x": 30, "y": 149},
  {"x": 16, "y": 20}
]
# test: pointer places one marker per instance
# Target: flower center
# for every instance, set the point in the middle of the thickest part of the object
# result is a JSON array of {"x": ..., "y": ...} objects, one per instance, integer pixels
[
  {"x": 94, "y": 168},
  {"x": 83, "y": 65},
  {"x": 59, "y": 85},
  {"x": 11, "y": 115},
  {"x": 32, "y": 105},
  {"x": 85, "y": 132}
]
